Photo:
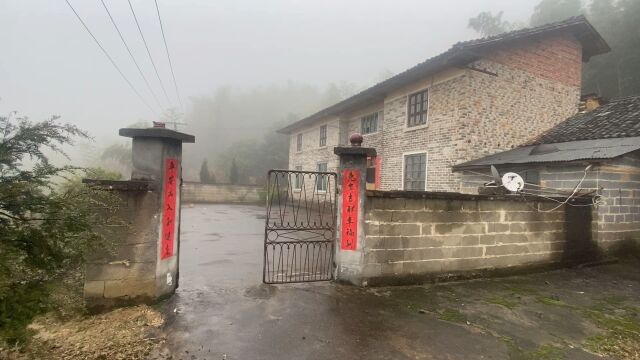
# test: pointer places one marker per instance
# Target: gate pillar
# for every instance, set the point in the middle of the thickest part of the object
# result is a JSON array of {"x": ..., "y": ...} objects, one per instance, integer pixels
[
  {"x": 352, "y": 173},
  {"x": 144, "y": 264}
]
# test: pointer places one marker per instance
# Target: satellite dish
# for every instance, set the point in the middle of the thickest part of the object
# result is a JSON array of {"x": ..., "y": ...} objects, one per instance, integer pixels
[{"x": 512, "y": 182}]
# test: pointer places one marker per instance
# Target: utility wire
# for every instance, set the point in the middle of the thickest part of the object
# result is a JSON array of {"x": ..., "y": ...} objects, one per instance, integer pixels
[
  {"x": 110, "y": 58},
  {"x": 175, "y": 84},
  {"x": 148, "y": 52},
  {"x": 131, "y": 54}
]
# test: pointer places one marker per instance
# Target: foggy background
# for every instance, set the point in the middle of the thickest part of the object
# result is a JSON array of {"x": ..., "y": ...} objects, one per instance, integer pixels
[{"x": 243, "y": 68}]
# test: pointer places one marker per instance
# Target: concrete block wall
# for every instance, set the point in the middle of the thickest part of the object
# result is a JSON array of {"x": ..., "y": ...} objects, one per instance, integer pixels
[
  {"x": 126, "y": 273},
  {"x": 616, "y": 217},
  {"x": 194, "y": 192},
  {"x": 411, "y": 236}
]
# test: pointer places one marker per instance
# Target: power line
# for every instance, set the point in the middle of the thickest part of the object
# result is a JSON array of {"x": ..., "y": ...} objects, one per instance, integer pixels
[
  {"x": 131, "y": 54},
  {"x": 149, "y": 52},
  {"x": 110, "y": 58},
  {"x": 175, "y": 84}
]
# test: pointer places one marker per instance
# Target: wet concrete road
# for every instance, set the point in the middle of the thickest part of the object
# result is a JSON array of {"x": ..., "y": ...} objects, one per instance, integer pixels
[{"x": 223, "y": 311}]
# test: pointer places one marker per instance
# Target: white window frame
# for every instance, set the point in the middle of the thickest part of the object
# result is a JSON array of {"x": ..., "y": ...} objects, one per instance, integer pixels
[
  {"x": 377, "y": 122},
  {"x": 298, "y": 179},
  {"x": 406, "y": 105},
  {"x": 326, "y": 179},
  {"x": 426, "y": 166}
]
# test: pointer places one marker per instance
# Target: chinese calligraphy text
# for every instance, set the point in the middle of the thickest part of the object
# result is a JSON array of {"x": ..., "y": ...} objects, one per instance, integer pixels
[
  {"x": 350, "y": 198},
  {"x": 169, "y": 211}
]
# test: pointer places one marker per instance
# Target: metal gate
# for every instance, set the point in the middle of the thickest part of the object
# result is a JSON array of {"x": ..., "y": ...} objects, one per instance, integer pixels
[{"x": 300, "y": 227}]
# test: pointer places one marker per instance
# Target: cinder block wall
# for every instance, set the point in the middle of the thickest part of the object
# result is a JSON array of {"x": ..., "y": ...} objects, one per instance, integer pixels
[
  {"x": 127, "y": 272},
  {"x": 193, "y": 192},
  {"x": 411, "y": 236}
]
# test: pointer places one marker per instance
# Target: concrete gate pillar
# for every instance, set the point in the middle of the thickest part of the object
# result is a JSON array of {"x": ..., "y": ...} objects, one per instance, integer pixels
[
  {"x": 352, "y": 178},
  {"x": 144, "y": 266}
]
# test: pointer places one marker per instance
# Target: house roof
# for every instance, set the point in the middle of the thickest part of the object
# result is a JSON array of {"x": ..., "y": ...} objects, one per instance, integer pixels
[
  {"x": 599, "y": 149},
  {"x": 617, "y": 119},
  {"x": 608, "y": 131},
  {"x": 459, "y": 55}
]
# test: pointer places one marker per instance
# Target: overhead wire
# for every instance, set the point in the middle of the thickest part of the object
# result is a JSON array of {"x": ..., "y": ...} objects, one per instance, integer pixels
[
  {"x": 104, "y": 51},
  {"x": 124, "y": 42},
  {"x": 173, "y": 75},
  {"x": 155, "y": 68}
]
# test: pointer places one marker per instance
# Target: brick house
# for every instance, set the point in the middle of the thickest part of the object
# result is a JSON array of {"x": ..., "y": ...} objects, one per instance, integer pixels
[
  {"x": 477, "y": 98},
  {"x": 607, "y": 139}
]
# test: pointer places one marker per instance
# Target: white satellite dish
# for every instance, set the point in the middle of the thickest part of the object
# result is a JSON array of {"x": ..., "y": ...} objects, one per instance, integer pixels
[{"x": 512, "y": 182}]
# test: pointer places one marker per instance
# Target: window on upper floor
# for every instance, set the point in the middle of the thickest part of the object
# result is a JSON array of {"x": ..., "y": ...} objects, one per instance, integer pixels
[
  {"x": 323, "y": 135},
  {"x": 299, "y": 143},
  {"x": 417, "y": 108},
  {"x": 369, "y": 124},
  {"x": 415, "y": 172}
]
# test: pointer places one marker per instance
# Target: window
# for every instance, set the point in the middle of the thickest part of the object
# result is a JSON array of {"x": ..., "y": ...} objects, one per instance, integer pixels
[
  {"x": 299, "y": 143},
  {"x": 321, "y": 183},
  {"x": 298, "y": 178},
  {"x": 369, "y": 124},
  {"x": 415, "y": 168},
  {"x": 323, "y": 135},
  {"x": 418, "y": 106}
]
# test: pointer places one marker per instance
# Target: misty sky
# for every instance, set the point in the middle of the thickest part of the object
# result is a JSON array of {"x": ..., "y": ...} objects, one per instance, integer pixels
[{"x": 50, "y": 65}]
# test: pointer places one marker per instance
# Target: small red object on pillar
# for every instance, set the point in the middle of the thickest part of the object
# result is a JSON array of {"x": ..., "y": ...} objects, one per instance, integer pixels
[{"x": 169, "y": 211}]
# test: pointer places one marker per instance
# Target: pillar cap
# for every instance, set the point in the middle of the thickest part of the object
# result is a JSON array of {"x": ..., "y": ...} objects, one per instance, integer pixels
[
  {"x": 157, "y": 133},
  {"x": 354, "y": 150}
]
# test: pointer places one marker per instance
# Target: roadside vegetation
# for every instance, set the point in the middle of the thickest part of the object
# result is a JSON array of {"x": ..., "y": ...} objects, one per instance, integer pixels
[{"x": 47, "y": 224}]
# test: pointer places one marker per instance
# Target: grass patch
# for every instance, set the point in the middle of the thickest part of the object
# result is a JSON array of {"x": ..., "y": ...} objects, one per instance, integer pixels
[
  {"x": 452, "y": 315},
  {"x": 551, "y": 301},
  {"x": 543, "y": 352},
  {"x": 509, "y": 304}
]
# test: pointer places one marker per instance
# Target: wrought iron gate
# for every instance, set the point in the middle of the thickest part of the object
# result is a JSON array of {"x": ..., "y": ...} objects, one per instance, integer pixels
[{"x": 300, "y": 226}]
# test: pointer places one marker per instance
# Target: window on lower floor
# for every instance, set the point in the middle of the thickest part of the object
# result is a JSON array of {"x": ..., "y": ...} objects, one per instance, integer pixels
[
  {"x": 323, "y": 135},
  {"x": 369, "y": 124},
  {"x": 321, "y": 182},
  {"x": 297, "y": 179},
  {"x": 415, "y": 171}
]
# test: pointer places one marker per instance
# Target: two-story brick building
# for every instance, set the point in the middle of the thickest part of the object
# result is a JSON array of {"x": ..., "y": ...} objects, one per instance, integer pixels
[{"x": 477, "y": 98}]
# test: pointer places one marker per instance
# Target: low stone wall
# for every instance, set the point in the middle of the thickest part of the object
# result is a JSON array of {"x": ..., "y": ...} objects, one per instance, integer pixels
[
  {"x": 193, "y": 192},
  {"x": 411, "y": 236},
  {"x": 127, "y": 273}
]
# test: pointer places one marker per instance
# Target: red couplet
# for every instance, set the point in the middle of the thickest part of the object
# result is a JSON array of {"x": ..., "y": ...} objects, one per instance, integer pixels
[
  {"x": 169, "y": 211},
  {"x": 350, "y": 195}
]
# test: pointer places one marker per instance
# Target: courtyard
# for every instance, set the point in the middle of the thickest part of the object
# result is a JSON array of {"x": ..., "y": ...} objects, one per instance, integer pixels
[{"x": 223, "y": 311}]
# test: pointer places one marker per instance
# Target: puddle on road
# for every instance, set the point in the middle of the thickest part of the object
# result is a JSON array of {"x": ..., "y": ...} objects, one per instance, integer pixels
[
  {"x": 262, "y": 291},
  {"x": 216, "y": 262}
]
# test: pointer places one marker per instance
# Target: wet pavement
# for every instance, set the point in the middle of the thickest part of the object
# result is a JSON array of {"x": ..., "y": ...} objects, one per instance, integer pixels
[{"x": 223, "y": 311}]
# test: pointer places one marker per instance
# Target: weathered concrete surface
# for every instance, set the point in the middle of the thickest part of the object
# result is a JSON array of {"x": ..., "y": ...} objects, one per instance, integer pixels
[{"x": 223, "y": 311}]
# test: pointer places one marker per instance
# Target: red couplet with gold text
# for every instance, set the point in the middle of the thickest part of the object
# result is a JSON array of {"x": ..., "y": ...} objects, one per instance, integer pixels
[
  {"x": 350, "y": 196},
  {"x": 169, "y": 211}
]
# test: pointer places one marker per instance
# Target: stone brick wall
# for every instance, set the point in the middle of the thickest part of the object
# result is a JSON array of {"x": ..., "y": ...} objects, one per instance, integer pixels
[
  {"x": 410, "y": 236},
  {"x": 312, "y": 153},
  {"x": 617, "y": 217},
  {"x": 128, "y": 274},
  {"x": 195, "y": 192},
  {"x": 470, "y": 113}
]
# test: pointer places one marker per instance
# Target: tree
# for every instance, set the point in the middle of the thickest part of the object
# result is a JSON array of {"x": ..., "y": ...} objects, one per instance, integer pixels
[
  {"x": 46, "y": 230},
  {"x": 487, "y": 24},
  {"x": 233, "y": 172},
  {"x": 611, "y": 75},
  {"x": 548, "y": 11},
  {"x": 205, "y": 176}
]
